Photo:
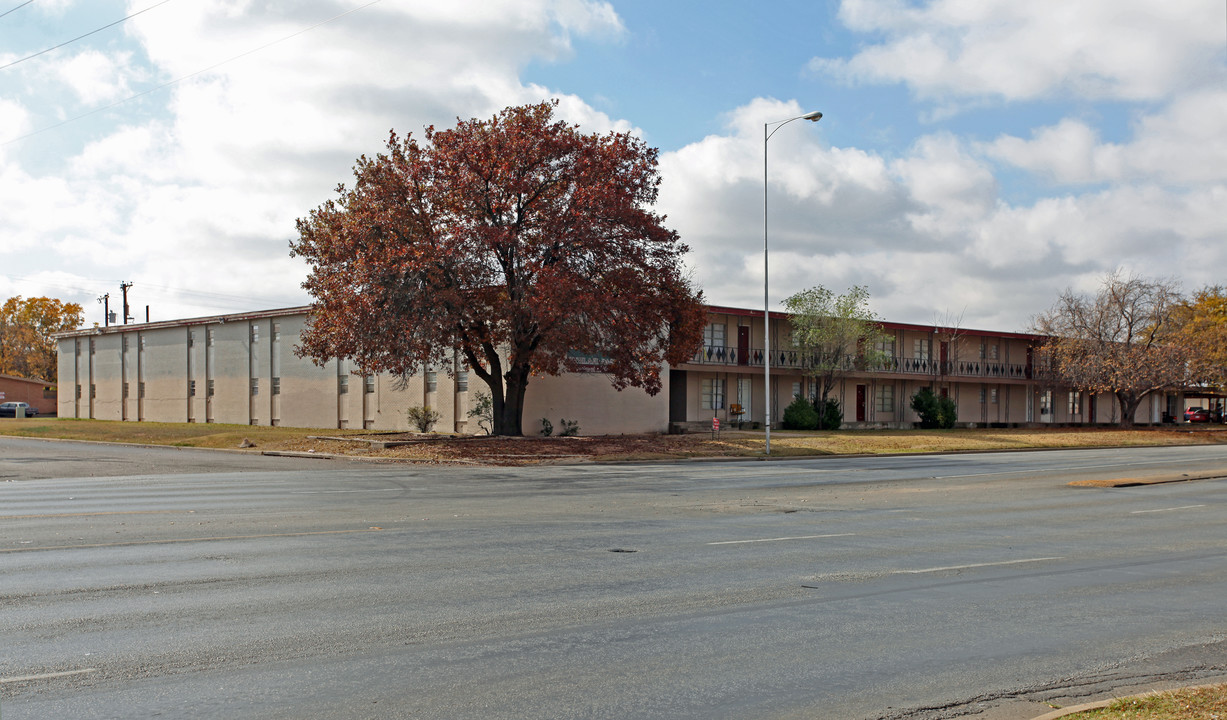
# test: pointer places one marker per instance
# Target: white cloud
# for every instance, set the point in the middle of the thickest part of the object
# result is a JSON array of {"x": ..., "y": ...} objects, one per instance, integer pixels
[
  {"x": 1098, "y": 49},
  {"x": 1182, "y": 144},
  {"x": 202, "y": 197},
  {"x": 95, "y": 77}
]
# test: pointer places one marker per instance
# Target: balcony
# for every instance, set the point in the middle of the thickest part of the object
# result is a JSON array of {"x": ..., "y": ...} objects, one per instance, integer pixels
[{"x": 894, "y": 364}]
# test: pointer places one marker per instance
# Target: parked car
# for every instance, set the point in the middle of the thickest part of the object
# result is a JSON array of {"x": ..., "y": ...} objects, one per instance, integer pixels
[
  {"x": 1202, "y": 415},
  {"x": 9, "y": 409}
]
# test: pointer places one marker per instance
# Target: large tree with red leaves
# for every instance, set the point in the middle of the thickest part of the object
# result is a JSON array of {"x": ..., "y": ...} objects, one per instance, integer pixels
[{"x": 519, "y": 242}]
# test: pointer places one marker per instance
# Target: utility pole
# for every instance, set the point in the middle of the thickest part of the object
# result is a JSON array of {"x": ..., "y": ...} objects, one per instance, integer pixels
[
  {"x": 106, "y": 309},
  {"x": 124, "y": 287}
]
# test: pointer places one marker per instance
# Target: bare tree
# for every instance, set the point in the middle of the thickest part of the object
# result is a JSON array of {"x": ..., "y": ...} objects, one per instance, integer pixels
[{"x": 1120, "y": 341}]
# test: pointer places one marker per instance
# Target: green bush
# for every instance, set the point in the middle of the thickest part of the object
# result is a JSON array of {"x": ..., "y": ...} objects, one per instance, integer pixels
[
  {"x": 547, "y": 427},
  {"x": 934, "y": 411},
  {"x": 570, "y": 428},
  {"x": 482, "y": 410},
  {"x": 800, "y": 415},
  {"x": 422, "y": 417},
  {"x": 830, "y": 416}
]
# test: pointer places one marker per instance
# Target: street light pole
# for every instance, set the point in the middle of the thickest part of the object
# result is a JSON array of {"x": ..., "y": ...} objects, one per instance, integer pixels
[{"x": 812, "y": 117}]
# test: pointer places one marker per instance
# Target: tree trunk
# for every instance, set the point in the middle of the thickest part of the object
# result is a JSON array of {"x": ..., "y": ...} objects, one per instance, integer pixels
[
  {"x": 510, "y": 421},
  {"x": 1129, "y": 403}
]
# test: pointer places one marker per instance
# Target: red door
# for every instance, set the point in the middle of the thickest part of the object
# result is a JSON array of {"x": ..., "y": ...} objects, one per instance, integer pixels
[
  {"x": 743, "y": 345},
  {"x": 860, "y": 403}
]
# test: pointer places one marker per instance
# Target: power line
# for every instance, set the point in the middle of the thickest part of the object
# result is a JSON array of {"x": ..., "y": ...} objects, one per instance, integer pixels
[
  {"x": 91, "y": 32},
  {"x": 6, "y": 12},
  {"x": 176, "y": 81}
]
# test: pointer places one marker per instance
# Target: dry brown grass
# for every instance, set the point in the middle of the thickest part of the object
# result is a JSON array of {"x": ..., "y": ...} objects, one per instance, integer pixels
[
  {"x": 1202, "y": 703},
  {"x": 534, "y": 450}
]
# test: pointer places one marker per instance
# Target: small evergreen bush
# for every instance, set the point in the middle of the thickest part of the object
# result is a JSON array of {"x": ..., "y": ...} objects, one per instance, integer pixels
[
  {"x": 934, "y": 411},
  {"x": 830, "y": 416},
  {"x": 800, "y": 415}
]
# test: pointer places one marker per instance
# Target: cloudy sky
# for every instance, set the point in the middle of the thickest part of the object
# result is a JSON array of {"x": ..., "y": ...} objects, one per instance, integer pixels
[{"x": 976, "y": 156}]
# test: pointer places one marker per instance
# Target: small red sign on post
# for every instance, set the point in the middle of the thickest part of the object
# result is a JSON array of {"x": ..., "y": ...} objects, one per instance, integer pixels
[{"x": 715, "y": 426}]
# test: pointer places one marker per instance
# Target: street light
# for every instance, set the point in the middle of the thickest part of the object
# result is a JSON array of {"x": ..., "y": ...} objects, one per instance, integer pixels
[{"x": 812, "y": 117}]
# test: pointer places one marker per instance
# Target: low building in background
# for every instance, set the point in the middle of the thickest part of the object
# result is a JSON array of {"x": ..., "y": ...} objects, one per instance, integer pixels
[
  {"x": 32, "y": 391},
  {"x": 242, "y": 369}
]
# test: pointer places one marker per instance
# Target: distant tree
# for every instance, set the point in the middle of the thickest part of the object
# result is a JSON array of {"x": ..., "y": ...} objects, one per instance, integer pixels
[
  {"x": 26, "y": 346},
  {"x": 834, "y": 333},
  {"x": 1121, "y": 341},
  {"x": 1203, "y": 331},
  {"x": 518, "y": 241}
]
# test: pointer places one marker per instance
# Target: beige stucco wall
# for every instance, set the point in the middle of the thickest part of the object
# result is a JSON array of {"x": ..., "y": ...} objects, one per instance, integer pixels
[{"x": 588, "y": 398}]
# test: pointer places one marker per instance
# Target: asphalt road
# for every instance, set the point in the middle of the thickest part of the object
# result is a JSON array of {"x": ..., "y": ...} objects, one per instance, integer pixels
[{"x": 140, "y": 582}]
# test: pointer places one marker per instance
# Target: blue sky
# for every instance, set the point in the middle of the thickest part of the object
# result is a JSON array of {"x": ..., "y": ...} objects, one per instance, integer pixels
[{"x": 974, "y": 160}]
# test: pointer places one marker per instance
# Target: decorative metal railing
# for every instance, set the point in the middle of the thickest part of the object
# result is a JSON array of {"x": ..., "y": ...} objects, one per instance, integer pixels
[{"x": 796, "y": 359}]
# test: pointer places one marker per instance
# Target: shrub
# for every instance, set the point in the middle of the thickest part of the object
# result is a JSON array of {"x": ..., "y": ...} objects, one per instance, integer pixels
[
  {"x": 547, "y": 427},
  {"x": 422, "y": 417},
  {"x": 483, "y": 411},
  {"x": 800, "y": 415},
  {"x": 830, "y": 416},
  {"x": 934, "y": 411},
  {"x": 570, "y": 428}
]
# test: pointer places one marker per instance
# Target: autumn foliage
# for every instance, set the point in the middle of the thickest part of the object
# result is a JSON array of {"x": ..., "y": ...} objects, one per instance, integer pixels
[
  {"x": 26, "y": 347},
  {"x": 518, "y": 244},
  {"x": 1122, "y": 341}
]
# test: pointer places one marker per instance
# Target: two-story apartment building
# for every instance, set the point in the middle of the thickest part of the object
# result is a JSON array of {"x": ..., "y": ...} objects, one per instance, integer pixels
[{"x": 241, "y": 368}]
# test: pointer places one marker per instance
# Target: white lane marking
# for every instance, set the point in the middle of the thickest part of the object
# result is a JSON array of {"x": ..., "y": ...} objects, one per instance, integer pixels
[
  {"x": 335, "y": 492},
  {"x": 1182, "y": 507},
  {"x": 779, "y": 539},
  {"x": 973, "y": 565},
  {"x": 47, "y": 676}
]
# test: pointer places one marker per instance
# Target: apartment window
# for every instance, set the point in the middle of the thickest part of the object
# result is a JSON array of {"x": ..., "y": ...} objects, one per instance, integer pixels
[
  {"x": 276, "y": 332},
  {"x": 125, "y": 342},
  {"x": 796, "y": 390},
  {"x": 992, "y": 351},
  {"x": 191, "y": 388},
  {"x": 125, "y": 390},
  {"x": 191, "y": 338},
  {"x": 368, "y": 384},
  {"x": 712, "y": 395},
  {"x": 343, "y": 384},
  {"x": 93, "y": 391},
  {"x": 886, "y": 346},
  {"x": 140, "y": 390},
  {"x": 78, "y": 392},
  {"x": 884, "y": 398},
  {"x": 992, "y": 396},
  {"x": 92, "y": 348},
  {"x": 211, "y": 388},
  {"x": 920, "y": 348},
  {"x": 140, "y": 341},
  {"x": 255, "y": 386},
  {"x": 983, "y": 396},
  {"x": 462, "y": 381},
  {"x": 255, "y": 333},
  {"x": 713, "y": 335},
  {"x": 432, "y": 381},
  {"x": 1075, "y": 403},
  {"x": 209, "y": 337},
  {"x": 276, "y": 389}
]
